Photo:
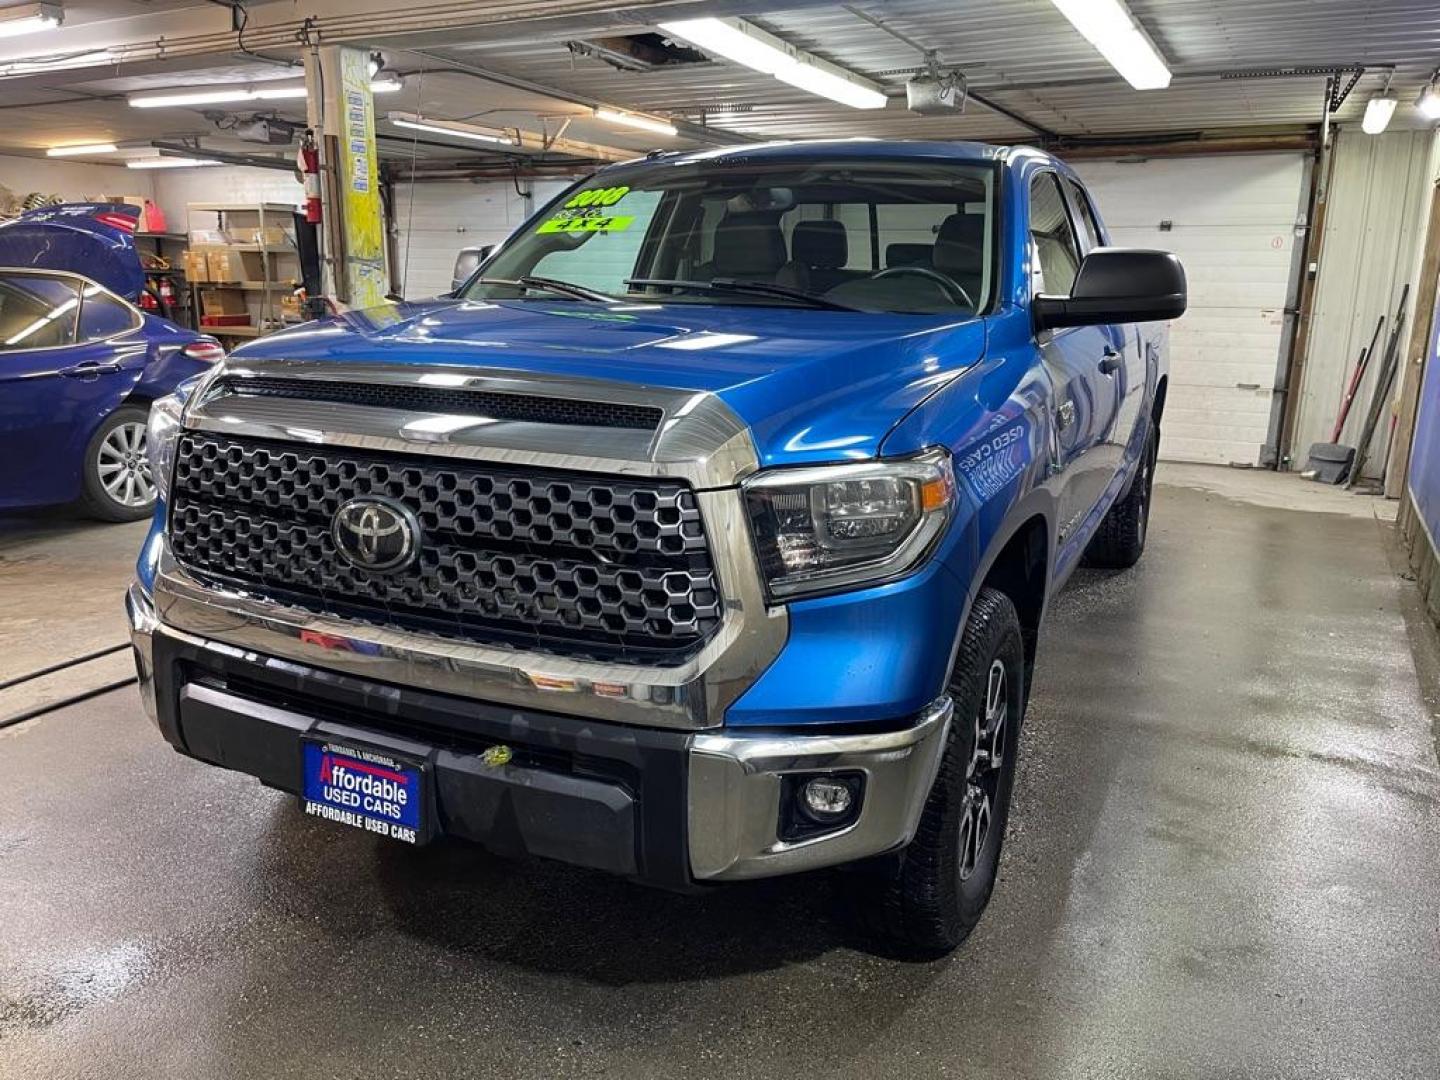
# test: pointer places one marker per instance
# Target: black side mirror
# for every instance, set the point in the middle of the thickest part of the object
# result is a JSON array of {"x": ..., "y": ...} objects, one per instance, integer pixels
[
  {"x": 1117, "y": 285},
  {"x": 466, "y": 263}
]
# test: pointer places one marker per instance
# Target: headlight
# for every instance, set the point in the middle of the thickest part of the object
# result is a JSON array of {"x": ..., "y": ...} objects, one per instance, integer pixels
[
  {"x": 163, "y": 433},
  {"x": 838, "y": 526}
]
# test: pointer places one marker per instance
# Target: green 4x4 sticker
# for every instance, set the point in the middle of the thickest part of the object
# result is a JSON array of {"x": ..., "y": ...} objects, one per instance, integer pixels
[{"x": 589, "y": 211}]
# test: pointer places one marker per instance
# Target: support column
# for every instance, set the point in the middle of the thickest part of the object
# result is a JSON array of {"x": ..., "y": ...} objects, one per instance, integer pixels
[{"x": 342, "y": 115}]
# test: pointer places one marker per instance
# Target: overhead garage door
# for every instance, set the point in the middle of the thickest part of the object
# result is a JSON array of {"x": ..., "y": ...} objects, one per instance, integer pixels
[
  {"x": 449, "y": 215},
  {"x": 1232, "y": 220}
]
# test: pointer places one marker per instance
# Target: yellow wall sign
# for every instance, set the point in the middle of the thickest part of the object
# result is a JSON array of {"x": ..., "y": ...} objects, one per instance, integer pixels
[{"x": 359, "y": 179}]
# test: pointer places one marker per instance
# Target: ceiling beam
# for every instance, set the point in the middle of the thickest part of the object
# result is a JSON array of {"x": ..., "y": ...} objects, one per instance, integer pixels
[{"x": 687, "y": 128}]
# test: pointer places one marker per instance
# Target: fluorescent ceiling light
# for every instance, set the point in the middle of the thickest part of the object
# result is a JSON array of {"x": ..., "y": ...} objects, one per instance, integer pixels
[
  {"x": 64, "y": 62},
  {"x": 742, "y": 43},
  {"x": 30, "y": 19},
  {"x": 453, "y": 128},
  {"x": 1109, "y": 26},
  {"x": 77, "y": 151},
  {"x": 169, "y": 163},
  {"x": 635, "y": 120},
  {"x": 167, "y": 99},
  {"x": 1429, "y": 102},
  {"x": 1378, "y": 111}
]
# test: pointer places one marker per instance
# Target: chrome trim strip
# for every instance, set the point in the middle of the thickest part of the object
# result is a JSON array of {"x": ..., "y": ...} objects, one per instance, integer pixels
[
  {"x": 691, "y": 696},
  {"x": 699, "y": 439},
  {"x": 734, "y": 795},
  {"x": 143, "y": 625}
]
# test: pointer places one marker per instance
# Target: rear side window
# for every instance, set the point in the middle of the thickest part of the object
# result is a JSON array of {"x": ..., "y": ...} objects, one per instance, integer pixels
[
  {"x": 1055, "y": 256},
  {"x": 37, "y": 311},
  {"x": 103, "y": 316},
  {"x": 1088, "y": 224}
]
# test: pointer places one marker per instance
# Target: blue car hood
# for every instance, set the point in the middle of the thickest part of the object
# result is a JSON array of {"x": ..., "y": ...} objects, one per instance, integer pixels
[
  {"x": 812, "y": 385},
  {"x": 93, "y": 239}
]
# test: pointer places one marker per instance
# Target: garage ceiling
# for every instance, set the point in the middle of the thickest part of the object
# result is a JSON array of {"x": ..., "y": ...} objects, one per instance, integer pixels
[{"x": 1041, "y": 79}]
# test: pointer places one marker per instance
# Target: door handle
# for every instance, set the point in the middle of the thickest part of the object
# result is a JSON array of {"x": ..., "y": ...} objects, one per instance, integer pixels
[
  {"x": 1111, "y": 362},
  {"x": 89, "y": 369}
]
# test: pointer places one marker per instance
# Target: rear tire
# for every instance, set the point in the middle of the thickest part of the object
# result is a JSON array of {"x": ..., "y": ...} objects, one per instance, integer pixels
[
  {"x": 116, "y": 477},
  {"x": 1120, "y": 540},
  {"x": 930, "y": 898}
]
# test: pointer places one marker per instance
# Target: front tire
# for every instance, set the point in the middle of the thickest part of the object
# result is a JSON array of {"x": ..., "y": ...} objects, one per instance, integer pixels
[
  {"x": 1120, "y": 540},
  {"x": 931, "y": 898},
  {"x": 117, "y": 481}
]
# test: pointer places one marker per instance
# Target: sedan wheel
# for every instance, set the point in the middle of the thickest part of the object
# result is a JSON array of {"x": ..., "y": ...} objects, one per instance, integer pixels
[{"x": 124, "y": 467}]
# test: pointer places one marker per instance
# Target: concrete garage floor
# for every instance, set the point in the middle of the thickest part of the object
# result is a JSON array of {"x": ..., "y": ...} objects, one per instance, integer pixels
[{"x": 1222, "y": 863}]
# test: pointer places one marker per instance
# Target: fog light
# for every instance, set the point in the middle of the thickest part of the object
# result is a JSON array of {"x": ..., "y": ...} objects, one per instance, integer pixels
[{"x": 827, "y": 797}]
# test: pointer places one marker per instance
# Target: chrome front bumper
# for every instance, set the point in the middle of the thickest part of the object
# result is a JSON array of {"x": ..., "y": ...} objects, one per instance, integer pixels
[
  {"x": 734, "y": 783},
  {"x": 735, "y": 792}
]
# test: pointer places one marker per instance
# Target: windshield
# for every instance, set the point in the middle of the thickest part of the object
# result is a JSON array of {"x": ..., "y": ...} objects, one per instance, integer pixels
[{"x": 868, "y": 236}]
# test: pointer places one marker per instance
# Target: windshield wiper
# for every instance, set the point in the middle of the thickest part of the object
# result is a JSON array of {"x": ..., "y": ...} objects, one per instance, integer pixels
[
  {"x": 563, "y": 288},
  {"x": 731, "y": 285}
]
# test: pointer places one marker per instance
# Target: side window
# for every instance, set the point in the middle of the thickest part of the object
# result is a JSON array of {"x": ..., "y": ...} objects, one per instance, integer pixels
[
  {"x": 1088, "y": 224},
  {"x": 103, "y": 316},
  {"x": 37, "y": 311},
  {"x": 1056, "y": 258},
  {"x": 603, "y": 260}
]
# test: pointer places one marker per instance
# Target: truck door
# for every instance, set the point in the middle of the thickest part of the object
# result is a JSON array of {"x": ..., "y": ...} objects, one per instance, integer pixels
[
  {"x": 1127, "y": 369},
  {"x": 1079, "y": 361}
]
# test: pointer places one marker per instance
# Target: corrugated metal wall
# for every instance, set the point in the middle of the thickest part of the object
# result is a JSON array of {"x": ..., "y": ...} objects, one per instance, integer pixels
[{"x": 1374, "y": 221}]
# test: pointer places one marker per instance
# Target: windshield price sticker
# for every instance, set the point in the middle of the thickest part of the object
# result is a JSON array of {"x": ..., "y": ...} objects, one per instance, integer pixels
[{"x": 589, "y": 211}]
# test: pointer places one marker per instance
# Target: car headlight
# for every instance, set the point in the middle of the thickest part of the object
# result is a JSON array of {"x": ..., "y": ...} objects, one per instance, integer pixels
[
  {"x": 840, "y": 526},
  {"x": 163, "y": 432}
]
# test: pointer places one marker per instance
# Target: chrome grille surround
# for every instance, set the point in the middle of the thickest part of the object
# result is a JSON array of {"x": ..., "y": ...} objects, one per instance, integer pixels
[{"x": 699, "y": 441}]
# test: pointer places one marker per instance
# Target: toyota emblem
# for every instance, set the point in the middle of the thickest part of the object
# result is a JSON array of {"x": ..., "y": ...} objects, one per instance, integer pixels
[{"x": 376, "y": 534}]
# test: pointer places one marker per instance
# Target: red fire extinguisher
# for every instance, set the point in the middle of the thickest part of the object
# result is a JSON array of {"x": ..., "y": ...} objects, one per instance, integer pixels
[
  {"x": 167, "y": 292},
  {"x": 309, "y": 158}
]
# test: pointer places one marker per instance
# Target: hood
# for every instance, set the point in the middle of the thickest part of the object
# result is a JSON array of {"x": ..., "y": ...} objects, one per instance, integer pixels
[
  {"x": 811, "y": 385},
  {"x": 93, "y": 239}
]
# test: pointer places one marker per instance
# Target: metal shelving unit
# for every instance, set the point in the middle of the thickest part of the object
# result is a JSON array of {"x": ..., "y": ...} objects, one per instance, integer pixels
[
  {"x": 264, "y": 217},
  {"x": 183, "y": 311}
]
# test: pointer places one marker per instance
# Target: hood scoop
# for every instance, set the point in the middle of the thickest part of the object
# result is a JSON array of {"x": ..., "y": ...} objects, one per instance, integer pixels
[{"x": 481, "y": 404}]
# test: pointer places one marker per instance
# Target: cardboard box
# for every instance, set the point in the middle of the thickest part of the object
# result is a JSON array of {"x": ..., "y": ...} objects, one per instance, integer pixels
[
  {"x": 129, "y": 200},
  {"x": 227, "y": 264},
  {"x": 223, "y": 302},
  {"x": 270, "y": 236},
  {"x": 197, "y": 267}
]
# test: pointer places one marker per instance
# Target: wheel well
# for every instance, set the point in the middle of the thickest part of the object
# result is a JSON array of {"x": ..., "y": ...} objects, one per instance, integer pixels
[
  {"x": 1020, "y": 572},
  {"x": 1158, "y": 409}
]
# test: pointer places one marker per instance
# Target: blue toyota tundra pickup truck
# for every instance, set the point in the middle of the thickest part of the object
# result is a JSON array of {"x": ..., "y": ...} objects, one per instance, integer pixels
[{"x": 703, "y": 535}]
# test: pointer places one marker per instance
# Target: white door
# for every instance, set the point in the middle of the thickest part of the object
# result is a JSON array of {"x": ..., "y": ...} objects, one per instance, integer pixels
[
  {"x": 1232, "y": 220},
  {"x": 434, "y": 221}
]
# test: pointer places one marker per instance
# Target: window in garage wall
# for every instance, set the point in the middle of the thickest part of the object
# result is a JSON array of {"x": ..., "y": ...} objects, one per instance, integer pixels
[{"x": 1233, "y": 223}]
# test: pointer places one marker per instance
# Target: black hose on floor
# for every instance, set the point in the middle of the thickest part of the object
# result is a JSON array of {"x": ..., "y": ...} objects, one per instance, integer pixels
[
  {"x": 73, "y": 699},
  {"x": 61, "y": 666}
]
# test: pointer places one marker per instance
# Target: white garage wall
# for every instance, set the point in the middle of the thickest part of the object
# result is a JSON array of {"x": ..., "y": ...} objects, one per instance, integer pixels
[
  {"x": 1377, "y": 204},
  {"x": 434, "y": 221},
  {"x": 175, "y": 189},
  {"x": 1234, "y": 226},
  {"x": 72, "y": 180}
]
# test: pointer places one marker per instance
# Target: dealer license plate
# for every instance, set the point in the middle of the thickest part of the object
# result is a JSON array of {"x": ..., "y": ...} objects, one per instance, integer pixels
[{"x": 365, "y": 789}]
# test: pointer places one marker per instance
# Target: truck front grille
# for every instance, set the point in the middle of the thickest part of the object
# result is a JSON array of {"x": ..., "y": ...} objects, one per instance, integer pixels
[{"x": 577, "y": 565}]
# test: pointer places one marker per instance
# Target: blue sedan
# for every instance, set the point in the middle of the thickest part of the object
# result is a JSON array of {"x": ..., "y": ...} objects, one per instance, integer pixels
[{"x": 80, "y": 363}]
